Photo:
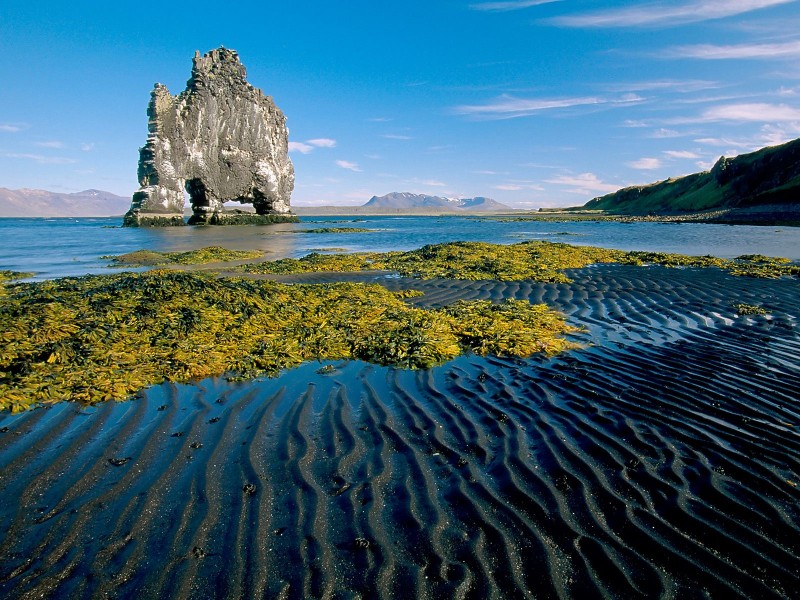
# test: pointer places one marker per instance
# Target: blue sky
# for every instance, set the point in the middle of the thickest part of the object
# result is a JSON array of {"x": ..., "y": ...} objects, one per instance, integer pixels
[{"x": 533, "y": 103}]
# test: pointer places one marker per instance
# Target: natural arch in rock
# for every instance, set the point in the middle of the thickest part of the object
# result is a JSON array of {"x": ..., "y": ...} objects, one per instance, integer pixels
[{"x": 220, "y": 140}]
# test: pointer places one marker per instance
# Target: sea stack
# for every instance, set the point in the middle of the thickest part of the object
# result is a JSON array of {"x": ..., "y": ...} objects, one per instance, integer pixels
[{"x": 220, "y": 140}]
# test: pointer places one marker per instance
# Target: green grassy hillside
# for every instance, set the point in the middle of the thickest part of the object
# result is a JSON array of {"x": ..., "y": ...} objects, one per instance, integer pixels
[{"x": 767, "y": 176}]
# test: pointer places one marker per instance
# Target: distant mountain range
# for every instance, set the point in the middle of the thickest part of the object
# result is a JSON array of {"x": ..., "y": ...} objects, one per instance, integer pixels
[
  {"x": 409, "y": 201},
  {"x": 764, "y": 184},
  {"x": 98, "y": 203},
  {"x": 41, "y": 203}
]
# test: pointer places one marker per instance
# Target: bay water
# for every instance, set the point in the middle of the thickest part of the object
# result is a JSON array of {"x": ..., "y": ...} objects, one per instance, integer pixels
[{"x": 59, "y": 247}]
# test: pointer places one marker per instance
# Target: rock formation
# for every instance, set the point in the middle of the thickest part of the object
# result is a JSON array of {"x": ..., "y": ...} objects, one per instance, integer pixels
[{"x": 220, "y": 140}]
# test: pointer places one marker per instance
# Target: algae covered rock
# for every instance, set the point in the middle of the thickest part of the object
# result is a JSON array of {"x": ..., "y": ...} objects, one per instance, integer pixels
[{"x": 220, "y": 140}]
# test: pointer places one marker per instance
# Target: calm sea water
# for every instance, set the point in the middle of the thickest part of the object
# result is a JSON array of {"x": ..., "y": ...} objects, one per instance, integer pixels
[{"x": 66, "y": 247}]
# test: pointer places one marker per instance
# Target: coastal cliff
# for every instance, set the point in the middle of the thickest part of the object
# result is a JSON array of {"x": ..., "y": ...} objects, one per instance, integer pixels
[{"x": 761, "y": 185}]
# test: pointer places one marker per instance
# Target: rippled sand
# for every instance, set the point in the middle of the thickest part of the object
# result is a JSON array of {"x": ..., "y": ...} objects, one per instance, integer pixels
[{"x": 662, "y": 460}]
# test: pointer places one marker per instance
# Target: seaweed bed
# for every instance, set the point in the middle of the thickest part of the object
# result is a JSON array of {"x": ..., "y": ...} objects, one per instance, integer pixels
[
  {"x": 98, "y": 338},
  {"x": 660, "y": 458},
  {"x": 536, "y": 260},
  {"x": 209, "y": 254}
]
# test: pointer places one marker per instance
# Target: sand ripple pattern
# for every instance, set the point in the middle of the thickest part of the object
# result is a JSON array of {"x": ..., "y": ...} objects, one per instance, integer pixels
[{"x": 662, "y": 460}]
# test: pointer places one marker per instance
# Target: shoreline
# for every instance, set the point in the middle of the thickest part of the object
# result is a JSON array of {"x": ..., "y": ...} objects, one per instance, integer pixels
[
  {"x": 106, "y": 337},
  {"x": 662, "y": 458},
  {"x": 786, "y": 215}
]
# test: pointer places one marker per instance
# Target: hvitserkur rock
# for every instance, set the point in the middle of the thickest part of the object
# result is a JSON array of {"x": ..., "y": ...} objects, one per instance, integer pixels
[{"x": 220, "y": 140}]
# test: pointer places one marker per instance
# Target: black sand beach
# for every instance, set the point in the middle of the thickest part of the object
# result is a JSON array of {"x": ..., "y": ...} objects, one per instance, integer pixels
[{"x": 661, "y": 460}]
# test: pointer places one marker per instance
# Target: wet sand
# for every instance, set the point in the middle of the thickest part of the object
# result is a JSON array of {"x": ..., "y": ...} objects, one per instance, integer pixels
[{"x": 661, "y": 460}]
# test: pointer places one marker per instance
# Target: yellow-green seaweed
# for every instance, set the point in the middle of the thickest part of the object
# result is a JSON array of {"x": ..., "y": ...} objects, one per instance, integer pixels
[
  {"x": 13, "y": 275},
  {"x": 209, "y": 254},
  {"x": 335, "y": 230},
  {"x": 743, "y": 309},
  {"x": 312, "y": 263},
  {"x": 98, "y": 338},
  {"x": 8, "y": 276},
  {"x": 534, "y": 260}
]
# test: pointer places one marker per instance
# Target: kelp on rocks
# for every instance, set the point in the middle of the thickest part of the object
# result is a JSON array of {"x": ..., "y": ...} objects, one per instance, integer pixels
[
  {"x": 6, "y": 276},
  {"x": 106, "y": 337},
  {"x": 336, "y": 230},
  {"x": 209, "y": 254},
  {"x": 540, "y": 261},
  {"x": 535, "y": 260},
  {"x": 13, "y": 275},
  {"x": 313, "y": 263}
]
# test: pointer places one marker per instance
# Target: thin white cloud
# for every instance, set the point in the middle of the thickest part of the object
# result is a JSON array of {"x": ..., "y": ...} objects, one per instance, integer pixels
[
  {"x": 645, "y": 164},
  {"x": 300, "y": 147},
  {"x": 722, "y": 142},
  {"x": 585, "y": 183},
  {"x": 663, "y": 134},
  {"x": 535, "y": 165},
  {"x": 515, "y": 187},
  {"x": 10, "y": 127},
  {"x": 350, "y": 166},
  {"x": 770, "y": 134},
  {"x": 396, "y": 136},
  {"x": 671, "y": 85},
  {"x": 87, "y": 146},
  {"x": 681, "y": 154},
  {"x": 666, "y": 14},
  {"x": 322, "y": 143},
  {"x": 50, "y": 144},
  {"x": 508, "y": 107},
  {"x": 738, "y": 51},
  {"x": 787, "y": 92},
  {"x": 506, "y": 6},
  {"x": 309, "y": 145},
  {"x": 756, "y": 112},
  {"x": 45, "y": 160}
]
